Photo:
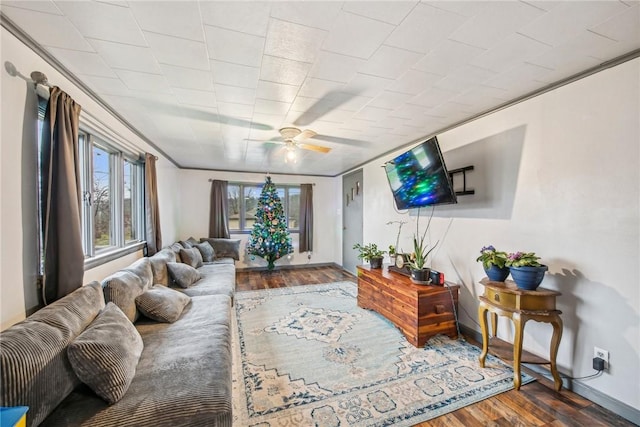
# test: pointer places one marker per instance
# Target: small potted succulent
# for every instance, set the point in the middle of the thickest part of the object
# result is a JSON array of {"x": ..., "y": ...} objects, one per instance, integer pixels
[
  {"x": 370, "y": 253},
  {"x": 494, "y": 263},
  {"x": 526, "y": 269},
  {"x": 418, "y": 259}
]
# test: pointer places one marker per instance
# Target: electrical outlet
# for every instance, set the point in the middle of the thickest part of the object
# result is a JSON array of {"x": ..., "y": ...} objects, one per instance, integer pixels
[
  {"x": 602, "y": 354},
  {"x": 309, "y": 255}
]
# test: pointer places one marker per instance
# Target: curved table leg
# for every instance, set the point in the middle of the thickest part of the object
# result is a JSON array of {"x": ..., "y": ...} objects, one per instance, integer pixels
[
  {"x": 482, "y": 316},
  {"x": 518, "y": 322},
  {"x": 494, "y": 324},
  {"x": 555, "y": 343}
]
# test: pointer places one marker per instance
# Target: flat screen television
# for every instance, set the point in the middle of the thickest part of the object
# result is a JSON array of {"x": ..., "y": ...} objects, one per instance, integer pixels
[{"x": 420, "y": 178}]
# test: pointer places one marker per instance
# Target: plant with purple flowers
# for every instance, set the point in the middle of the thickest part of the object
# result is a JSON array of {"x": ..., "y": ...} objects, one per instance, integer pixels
[
  {"x": 489, "y": 256},
  {"x": 523, "y": 259}
]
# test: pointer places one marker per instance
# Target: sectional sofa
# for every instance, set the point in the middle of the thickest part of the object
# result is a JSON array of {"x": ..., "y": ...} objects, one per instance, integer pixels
[{"x": 146, "y": 347}]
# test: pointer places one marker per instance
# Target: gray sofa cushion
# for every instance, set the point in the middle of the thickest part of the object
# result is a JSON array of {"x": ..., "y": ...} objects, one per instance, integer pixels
[
  {"x": 189, "y": 243},
  {"x": 106, "y": 354},
  {"x": 217, "y": 279},
  {"x": 206, "y": 250},
  {"x": 122, "y": 288},
  {"x": 159, "y": 266},
  {"x": 34, "y": 368},
  {"x": 183, "y": 274},
  {"x": 175, "y": 247},
  {"x": 162, "y": 304},
  {"x": 187, "y": 382},
  {"x": 191, "y": 256},
  {"x": 142, "y": 268},
  {"x": 224, "y": 248}
]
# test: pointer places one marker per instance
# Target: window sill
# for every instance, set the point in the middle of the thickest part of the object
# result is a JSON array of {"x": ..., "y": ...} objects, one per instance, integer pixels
[{"x": 112, "y": 255}]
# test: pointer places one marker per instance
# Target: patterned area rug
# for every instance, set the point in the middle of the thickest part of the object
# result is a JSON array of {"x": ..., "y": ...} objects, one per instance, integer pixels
[{"x": 308, "y": 355}]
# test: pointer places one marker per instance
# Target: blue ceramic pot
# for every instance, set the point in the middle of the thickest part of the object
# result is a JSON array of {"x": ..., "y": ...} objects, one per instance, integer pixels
[
  {"x": 528, "y": 278},
  {"x": 496, "y": 273}
]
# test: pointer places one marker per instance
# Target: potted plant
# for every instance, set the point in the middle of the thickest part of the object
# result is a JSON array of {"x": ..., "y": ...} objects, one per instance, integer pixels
[
  {"x": 526, "y": 270},
  {"x": 418, "y": 259},
  {"x": 494, "y": 263},
  {"x": 370, "y": 253}
]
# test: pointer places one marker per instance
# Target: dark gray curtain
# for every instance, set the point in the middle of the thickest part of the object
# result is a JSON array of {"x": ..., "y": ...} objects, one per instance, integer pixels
[
  {"x": 218, "y": 210},
  {"x": 60, "y": 198},
  {"x": 152, "y": 210},
  {"x": 306, "y": 218}
]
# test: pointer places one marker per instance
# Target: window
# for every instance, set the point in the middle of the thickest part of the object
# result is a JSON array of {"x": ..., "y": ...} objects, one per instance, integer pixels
[
  {"x": 112, "y": 188},
  {"x": 243, "y": 204}
]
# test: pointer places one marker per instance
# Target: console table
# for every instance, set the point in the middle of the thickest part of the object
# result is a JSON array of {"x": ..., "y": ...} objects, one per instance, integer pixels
[
  {"x": 419, "y": 311},
  {"x": 506, "y": 299}
]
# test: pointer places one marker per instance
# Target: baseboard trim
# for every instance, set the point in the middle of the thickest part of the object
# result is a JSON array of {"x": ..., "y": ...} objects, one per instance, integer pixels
[
  {"x": 620, "y": 408},
  {"x": 295, "y": 267}
]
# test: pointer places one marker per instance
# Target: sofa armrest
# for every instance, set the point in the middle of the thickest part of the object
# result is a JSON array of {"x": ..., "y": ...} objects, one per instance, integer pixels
[{"x": 224, "y": 248}]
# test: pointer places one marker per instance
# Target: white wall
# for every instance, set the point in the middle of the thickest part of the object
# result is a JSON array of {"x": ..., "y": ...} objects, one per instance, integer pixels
[
  {"x": 576, "y": 205},
  {"x": 18, "y": 172},
  {"x": 195, "y": 189}
]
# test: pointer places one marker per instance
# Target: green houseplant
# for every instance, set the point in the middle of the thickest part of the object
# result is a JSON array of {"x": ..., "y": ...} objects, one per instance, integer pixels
[
  {"x": 494, "y": 263},
  {"x": 370, "y": 253},
  {"x": 526, "y": 269},
  {"x": 418, "y": 258}
]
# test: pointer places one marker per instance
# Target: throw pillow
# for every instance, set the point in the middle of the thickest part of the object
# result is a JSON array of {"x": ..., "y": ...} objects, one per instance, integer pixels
[
  {"x": 159, "y": 266},
  {"x": 122, "y": 288},
  {"x": 191, "y": 256},
  {"x": 175, "y": 247},
  {"x": 106, "y": 354},
  {"x": 224, "y": 248},
  {"x": 206, "y": 250},
  {"x": 142, "y": 268},
  {"x": 183, "y": 274},
  {"x": 162, "y": 304}
]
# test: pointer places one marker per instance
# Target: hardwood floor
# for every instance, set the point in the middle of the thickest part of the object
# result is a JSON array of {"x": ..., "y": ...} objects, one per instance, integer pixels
[{"x": 536, "y": 404}]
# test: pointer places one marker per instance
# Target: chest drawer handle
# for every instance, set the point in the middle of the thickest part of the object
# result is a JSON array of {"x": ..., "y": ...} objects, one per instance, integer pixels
[
  {"x": 439, "y": 308},
  {"x": 496, "y": 297}
]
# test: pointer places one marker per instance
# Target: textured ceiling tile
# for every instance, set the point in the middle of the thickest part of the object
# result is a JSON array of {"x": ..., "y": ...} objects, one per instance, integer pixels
[
  {"x": 195, "y": 97},
  {"x": 265, "y": 106},
  {"x": 106, "y": 86},
  {"x": 433, "y": 97},
  {"x": 37, "y": 6},
  {"x": 336, "y": 67},
  {"x": 389, "y": 12},
  {"x": 447, "y": 56},
  {"x": 496, "y": 21},
  {"x": 180, "y": 52},
  {"x": 316, "y": 14},
  {"x": 231, "y": 109},
  {"x": 127, "y": 57},
  {"x": 82, "y": 62},
  {"x": 413, "y": 82},
  {"x": 235, "y": 75},
  {"x": 286, "y": 71},
  {"x": 187, "y": 78},
  {"x": 625, "y": 26},
  {"x": 174, "y": 18},
  {"x": 239, "y": 95},
  {"x": 464, "y": 8},
  {"x": 523, "y": 76},
  {"x": 569, "y": 19},
  {"x": 414, "y": 35},
  {"x": 293, "y": 41},
  {"x": 373, "y": 113},
  {"x": 366, "y": 85},
  {"x": 464, "y": 78},
  {"x": 232, "y": 46},
  {"x": 276, "y": 91},
  {"x": 390, "y": 62},
  {"x": 390, "y": 100},
  {"x": 48, "y": 30},
  {"x": 243, "y": 16},
  {"x": 317, "y": 88},
  {"x": 511, "y": 51},
  {"x": 143, "y": 81},
  {"x": 98, "y": 21},
  {"x": 356, "y": 35}
]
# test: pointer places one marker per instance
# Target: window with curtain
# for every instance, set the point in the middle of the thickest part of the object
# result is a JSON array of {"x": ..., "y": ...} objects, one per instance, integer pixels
[{"x": 243, "y": 202}]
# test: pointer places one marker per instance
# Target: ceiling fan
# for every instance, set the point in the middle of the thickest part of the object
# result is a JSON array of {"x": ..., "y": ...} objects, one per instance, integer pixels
[{"x": 292, "y": 138}]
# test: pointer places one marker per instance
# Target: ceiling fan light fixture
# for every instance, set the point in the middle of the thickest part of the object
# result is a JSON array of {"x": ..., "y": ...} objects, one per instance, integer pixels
[
  {"x": 290, "y": 155},
  {"x": 289, "y": 132}
]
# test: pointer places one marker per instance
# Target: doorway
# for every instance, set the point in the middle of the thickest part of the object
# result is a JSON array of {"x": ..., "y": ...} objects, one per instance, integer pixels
[{"x": 352, "y": 196}]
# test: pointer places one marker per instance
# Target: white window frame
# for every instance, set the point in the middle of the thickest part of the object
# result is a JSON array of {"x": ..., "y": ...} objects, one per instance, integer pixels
[{"x": 241, "y": 208}]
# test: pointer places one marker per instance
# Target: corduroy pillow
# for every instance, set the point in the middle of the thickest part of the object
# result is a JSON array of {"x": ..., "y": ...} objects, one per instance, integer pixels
[
  {"x": 175, "y": 247},
  {"x": 183, "y": 274},
  {"x": 162, "y": 304},
  {"x": 191, "y": 256},
  {"x": 159, "y": 266},
  {"x": 142, "y": 268},
  {"x": 206, "y": 250},
  {"x": 122, "y": 288},
  {"x": 106, "y": 354}
]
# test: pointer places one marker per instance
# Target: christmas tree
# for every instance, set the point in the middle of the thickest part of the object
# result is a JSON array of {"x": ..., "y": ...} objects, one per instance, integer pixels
[{"x": 270, "y": 237}]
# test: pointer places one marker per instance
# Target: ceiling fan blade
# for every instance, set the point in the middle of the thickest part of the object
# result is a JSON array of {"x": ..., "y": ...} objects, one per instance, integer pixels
[
  {"x": 344, "y": 141},
  {"x": 275, "y": 140},
  {"x": 305, "y": 134},
  {"x": 330, "y": 101},
  {"x": 312, "y": 147}
]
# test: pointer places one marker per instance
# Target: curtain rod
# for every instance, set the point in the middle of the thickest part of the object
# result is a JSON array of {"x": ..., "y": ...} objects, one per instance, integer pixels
[{"x": 211, "y": 180}]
